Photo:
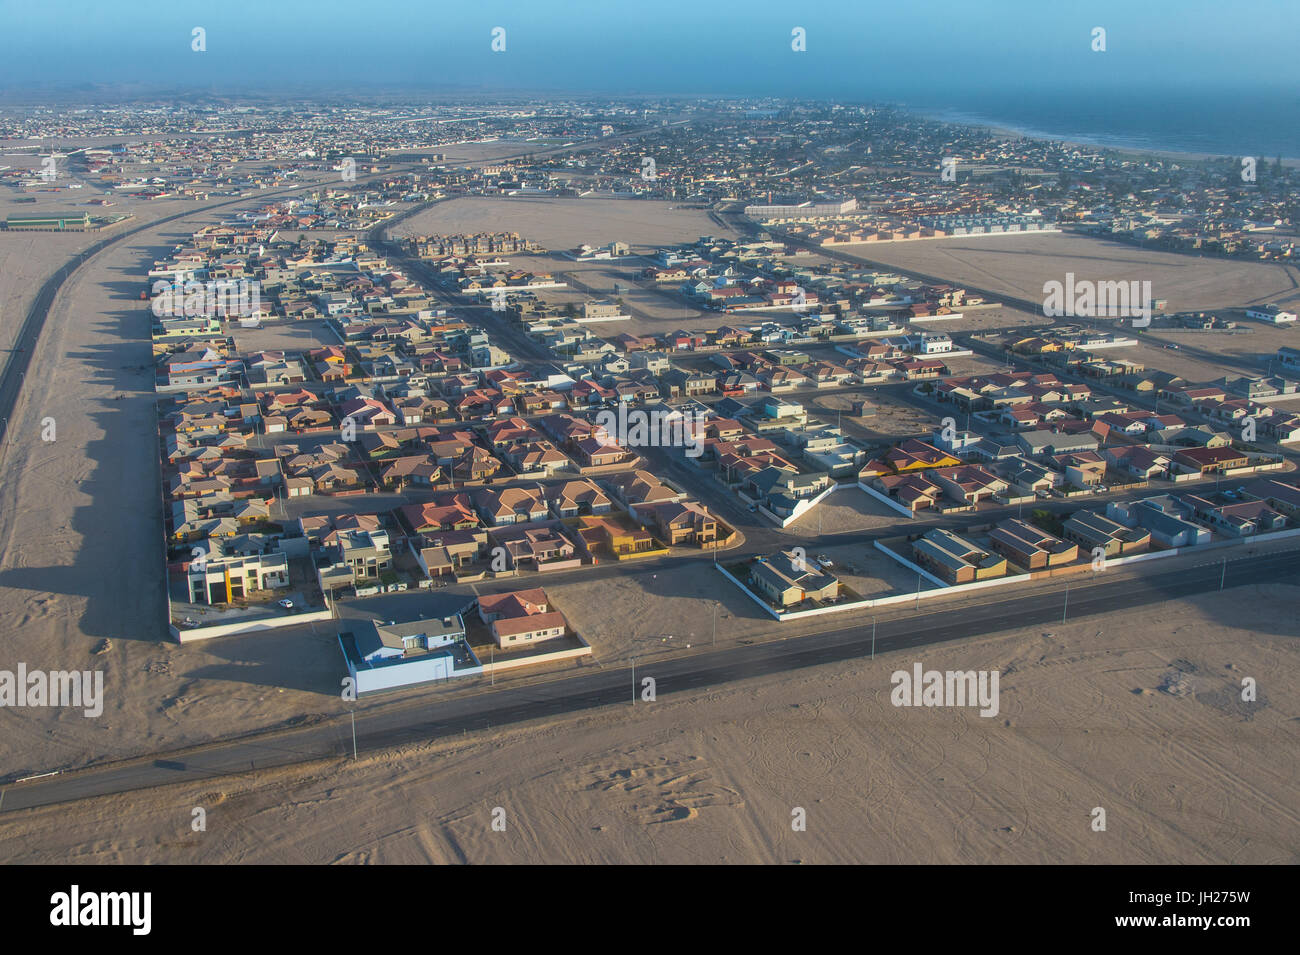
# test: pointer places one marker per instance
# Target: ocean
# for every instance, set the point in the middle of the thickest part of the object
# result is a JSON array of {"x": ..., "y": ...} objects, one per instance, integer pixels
[{"x": 1261, "y": 123}]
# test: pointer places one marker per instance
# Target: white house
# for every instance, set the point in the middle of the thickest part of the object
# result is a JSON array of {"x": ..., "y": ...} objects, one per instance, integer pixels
[
  {"x": 382, "y": 656},
  {"x": 1273, "y": 314}
]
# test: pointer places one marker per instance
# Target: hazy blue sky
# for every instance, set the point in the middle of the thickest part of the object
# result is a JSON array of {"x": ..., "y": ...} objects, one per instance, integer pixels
[{"x": 864, "y": 49}]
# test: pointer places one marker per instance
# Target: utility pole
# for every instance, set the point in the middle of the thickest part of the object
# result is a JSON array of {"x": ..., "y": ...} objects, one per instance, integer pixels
[
  {"x": 1223, "y": 576},
  {"x": 918, "y": 591},
  {"x": 354, "y": 736},
  {"x": 873, "y": 638},
  {"x": 1066, "y": 608},
  {"x": 715, "y": 624}
]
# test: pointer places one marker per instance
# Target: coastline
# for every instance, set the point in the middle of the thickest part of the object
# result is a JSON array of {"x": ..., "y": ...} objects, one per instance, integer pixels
[{"x": 1003, "y": 129}]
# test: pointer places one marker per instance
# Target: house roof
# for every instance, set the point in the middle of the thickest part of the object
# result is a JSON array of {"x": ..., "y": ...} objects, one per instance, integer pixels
[{"x": 516, "y": 603}]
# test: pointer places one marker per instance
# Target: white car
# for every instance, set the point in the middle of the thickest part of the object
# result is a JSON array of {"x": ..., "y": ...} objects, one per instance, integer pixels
[
  {"x": 286, "y": 603},
  {"x": 825, "y": 561}
]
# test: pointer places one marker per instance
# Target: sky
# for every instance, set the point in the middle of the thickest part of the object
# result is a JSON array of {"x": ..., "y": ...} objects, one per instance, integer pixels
[{"x": 863, "y": 50}]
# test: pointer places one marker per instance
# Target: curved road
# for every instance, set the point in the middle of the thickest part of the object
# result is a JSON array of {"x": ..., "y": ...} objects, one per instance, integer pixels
[{"x": 29, "y": 332}]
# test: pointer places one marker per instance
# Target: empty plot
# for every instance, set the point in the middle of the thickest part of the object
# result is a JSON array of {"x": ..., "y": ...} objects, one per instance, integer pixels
[
  {"x": 566, "y": 223},
  {"x": 1020, "y": 265}
]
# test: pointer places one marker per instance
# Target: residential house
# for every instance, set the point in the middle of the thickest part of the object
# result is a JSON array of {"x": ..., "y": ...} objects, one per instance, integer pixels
[
  {"x": 681, "y": 522},
  {"x": 955, "y": 559},
  {"x": 511, "y": 505},
  {"x": 1163, "y": 517},
  {"x": 1235, "y": 518},
  {"x": 522, "y": 616},
  {"x": 1091, "y": 531},
  {"x": 1031, "y": 547},
  {"x": 788, "y": 578}
]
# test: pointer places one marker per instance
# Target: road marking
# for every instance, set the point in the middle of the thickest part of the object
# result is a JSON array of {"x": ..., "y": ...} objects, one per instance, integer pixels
[{"x": 38, "y": 776}]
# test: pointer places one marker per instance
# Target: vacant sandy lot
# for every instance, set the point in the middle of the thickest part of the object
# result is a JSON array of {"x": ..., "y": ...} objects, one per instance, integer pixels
[
  {"x": 282, "y": 335},
  {"x": 847, "y": 510},
  {"x": 1174, "y": 361},
  {"x": 1019, "y": 265},
  {"x": 652, "y": 309},
  {"x": 715, "y": 777},
  {"x": 891, "y": 416},
  {"x": 566, "y": 223},
  {"x": 27, "y": 259},
  {"x": 479, "y": 152},
  {"x": 971, "y": 364},
  {"x": 982, "y": 320},
  {"x": 872, "y": 574},
  {"x": 1251, "y": 342}
]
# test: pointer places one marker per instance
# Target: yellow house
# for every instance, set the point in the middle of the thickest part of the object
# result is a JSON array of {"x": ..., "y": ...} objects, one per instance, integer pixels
[
  {"x": 913, "y": 455},
  {"x": 621, "y": 542}
]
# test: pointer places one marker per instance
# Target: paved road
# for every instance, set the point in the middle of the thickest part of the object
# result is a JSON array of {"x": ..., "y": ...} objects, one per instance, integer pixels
[
  {"x": 19, "y": 359},
  {"x": 428, "y": 718}
]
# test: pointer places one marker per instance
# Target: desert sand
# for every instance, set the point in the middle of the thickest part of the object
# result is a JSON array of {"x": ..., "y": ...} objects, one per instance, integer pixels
[
  {"x": 561, "y": 224},
  {"x": 1192, "y": 776},
  {"x": 1019, "y": 265}
]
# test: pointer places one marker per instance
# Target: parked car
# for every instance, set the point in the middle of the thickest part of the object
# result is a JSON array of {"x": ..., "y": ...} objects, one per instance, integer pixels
[{"x": 286, "y": 603}]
